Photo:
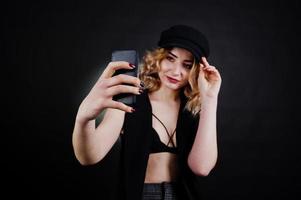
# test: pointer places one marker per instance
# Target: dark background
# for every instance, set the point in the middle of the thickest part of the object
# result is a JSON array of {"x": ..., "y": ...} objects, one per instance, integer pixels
[{"x": 53, "y": 52}]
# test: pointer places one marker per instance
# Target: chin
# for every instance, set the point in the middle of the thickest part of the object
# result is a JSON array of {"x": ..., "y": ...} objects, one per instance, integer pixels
[{"x": 172, "y": 86}]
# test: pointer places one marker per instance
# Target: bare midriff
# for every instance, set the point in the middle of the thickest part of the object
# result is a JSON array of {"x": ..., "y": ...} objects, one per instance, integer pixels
[{"x": 161, "y": 167}]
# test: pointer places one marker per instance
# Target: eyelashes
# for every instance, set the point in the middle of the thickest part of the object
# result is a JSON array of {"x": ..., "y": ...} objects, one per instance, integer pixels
[
  {"x": 169, "y": 58},
  {"x": 187, "y": 66}
]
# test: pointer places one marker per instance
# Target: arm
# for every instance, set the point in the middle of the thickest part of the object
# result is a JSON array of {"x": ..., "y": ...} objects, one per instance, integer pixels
[
  {"x": 203, "y": 155},
  {"x": 92, "y": 144}
]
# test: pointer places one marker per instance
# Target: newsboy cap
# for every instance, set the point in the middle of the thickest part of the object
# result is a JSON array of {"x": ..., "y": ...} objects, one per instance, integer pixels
[{"x": 185, "y": 37}]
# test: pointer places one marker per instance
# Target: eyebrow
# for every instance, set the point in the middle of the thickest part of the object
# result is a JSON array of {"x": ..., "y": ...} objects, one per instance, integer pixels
[{"x": 177, "y": 57}]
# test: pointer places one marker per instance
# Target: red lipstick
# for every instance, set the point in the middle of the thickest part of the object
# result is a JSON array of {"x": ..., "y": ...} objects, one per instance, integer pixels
[{"x": 172, "y": 80}]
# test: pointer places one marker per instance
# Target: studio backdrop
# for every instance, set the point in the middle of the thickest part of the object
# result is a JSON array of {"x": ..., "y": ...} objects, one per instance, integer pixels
[{"x": 55, "y": 51}]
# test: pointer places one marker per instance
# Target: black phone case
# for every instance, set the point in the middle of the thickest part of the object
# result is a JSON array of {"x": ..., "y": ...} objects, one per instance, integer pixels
[{"x": 130, "y": 56}]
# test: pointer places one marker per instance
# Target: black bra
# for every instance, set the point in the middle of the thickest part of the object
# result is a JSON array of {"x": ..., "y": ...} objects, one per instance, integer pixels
[{"x": 158, "y": 146}]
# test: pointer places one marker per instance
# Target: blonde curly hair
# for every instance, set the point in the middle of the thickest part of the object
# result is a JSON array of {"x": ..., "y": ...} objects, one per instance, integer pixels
[{"x": 148, "y": 73}]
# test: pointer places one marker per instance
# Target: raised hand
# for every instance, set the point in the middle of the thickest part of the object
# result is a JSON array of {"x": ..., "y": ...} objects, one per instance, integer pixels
[
  {"x": 100, "y": 96},
  {"x": 209, "y": 80}
]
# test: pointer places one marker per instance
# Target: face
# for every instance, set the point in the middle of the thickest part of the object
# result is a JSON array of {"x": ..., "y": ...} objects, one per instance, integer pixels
[{"x": 175, "y": 68}]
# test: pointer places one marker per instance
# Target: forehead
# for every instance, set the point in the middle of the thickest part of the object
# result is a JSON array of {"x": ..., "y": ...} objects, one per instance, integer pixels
[{"x": 181, "y": 53}]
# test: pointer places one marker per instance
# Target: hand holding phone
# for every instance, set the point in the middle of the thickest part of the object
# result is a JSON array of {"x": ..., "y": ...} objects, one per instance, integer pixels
[
  {"x": 132, "y": 57},
  {"x": 108, "y": 88}
]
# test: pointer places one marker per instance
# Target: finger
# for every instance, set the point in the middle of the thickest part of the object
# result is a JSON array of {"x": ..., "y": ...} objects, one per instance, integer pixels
[
  {"x": 113, "y": 66},
  {"x": 205, "y": 61},
  {"x": 123, "y": 89},
  {"x": 123, "y": 79},
  {"x": 202, "y": 67},
  {"x": 120, "y": 106},
  {"x": 215, "y": 71},
  {"x": 210, "y": 67},
  {"x": 212, "y": 70}
]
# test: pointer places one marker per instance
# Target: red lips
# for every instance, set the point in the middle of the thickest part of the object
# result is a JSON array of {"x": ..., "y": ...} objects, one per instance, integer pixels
[{"x": 172, "y": 80}]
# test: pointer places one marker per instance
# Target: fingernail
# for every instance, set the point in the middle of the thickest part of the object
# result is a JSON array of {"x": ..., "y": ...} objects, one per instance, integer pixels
[
  {"x": 133, "y": 110},
  {"x": 142, "y": 85},
  {"x": 141, "y": 90},
  {"x": 132, "y": 65}
]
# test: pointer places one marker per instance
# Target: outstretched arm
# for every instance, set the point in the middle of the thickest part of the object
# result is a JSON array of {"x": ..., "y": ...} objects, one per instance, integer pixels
[{"x": 91, "y": 144}]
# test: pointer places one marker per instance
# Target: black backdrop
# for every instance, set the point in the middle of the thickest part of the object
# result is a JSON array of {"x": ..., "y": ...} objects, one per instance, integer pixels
[{"x": 53, "y": 52}]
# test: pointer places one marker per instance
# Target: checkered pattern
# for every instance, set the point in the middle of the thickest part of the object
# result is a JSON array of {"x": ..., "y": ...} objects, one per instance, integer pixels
[{"x": 159, "y": 191}]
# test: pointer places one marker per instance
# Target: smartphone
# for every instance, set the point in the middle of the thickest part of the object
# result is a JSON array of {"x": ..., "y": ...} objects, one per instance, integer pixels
[{"x": 130, "y": 56}]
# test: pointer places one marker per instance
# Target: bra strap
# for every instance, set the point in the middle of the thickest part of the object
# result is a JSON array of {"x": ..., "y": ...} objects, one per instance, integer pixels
[{"x": 170, "y": 136}]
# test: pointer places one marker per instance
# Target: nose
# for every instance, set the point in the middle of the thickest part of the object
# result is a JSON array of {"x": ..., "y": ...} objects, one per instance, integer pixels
[{"x": 177, "y": 69}]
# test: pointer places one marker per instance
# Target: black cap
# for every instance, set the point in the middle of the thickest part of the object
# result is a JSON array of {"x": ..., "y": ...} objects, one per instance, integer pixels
[{"x": 185, "y": 37}]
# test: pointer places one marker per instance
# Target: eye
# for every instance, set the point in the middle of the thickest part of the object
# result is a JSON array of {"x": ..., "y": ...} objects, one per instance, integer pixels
[
  {"x": 169, "y": 58},
  {"x": 187, "y": 66}
]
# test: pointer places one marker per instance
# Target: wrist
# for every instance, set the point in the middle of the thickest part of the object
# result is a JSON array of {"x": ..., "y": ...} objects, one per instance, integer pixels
[
  {"x": 209, "y": 101},
  {"x": 81, "y": 119},
  {"x": 208, "y": 105}
]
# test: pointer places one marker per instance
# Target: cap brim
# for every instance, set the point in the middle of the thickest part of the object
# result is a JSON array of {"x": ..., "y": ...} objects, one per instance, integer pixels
[{"x": 190, "y": 46}]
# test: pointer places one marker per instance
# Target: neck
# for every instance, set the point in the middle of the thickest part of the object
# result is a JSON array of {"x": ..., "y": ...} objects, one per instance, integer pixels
[{"x": 166, "y": 95}]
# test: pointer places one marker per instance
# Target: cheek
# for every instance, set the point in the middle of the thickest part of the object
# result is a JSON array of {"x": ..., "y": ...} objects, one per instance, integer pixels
[
  {"x": 165, "y": 66},
  {"x": 186, "y": 76}
]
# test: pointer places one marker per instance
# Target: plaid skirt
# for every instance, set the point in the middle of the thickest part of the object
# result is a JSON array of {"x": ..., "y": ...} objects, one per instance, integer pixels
[{"x": 159, "y": 191}]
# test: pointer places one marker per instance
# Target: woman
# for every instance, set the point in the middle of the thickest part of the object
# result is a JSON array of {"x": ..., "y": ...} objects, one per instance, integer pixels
[{"x": 169, "y": 134}]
